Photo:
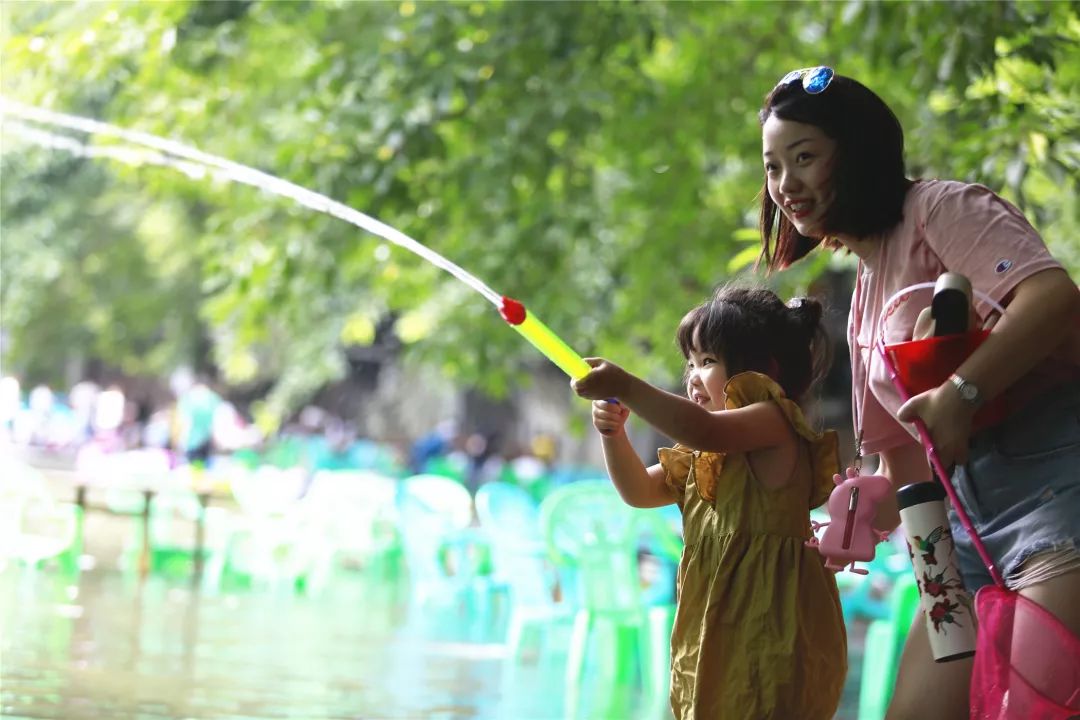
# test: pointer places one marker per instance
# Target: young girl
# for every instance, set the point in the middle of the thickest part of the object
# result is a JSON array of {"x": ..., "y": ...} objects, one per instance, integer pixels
[
  {"x": 834, "y": 175},
  {"x": 758, "y": 630}
]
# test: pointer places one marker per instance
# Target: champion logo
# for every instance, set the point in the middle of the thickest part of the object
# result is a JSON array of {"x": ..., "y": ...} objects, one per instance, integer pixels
[{"x": 1002, "y": 265}]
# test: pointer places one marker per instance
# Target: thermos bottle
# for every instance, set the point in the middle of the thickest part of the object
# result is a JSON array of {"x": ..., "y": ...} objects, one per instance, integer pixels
[
  {"x": 951, "y": 304},
  {"x": 944, "y": 601}
]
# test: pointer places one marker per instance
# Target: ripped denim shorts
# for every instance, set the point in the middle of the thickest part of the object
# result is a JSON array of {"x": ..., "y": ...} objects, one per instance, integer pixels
[{"x": 1021, "y": 488}]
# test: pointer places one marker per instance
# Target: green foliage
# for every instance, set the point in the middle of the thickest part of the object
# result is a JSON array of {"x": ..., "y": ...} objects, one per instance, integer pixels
[{"x": 597, "y": 161}]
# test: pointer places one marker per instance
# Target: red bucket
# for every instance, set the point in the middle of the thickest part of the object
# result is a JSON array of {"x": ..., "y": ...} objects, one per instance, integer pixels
[{"x": 925, "y": 364}]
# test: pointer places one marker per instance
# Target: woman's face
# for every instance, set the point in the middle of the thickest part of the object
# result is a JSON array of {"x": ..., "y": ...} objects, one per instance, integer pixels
[{"x": 798, "y": 171}]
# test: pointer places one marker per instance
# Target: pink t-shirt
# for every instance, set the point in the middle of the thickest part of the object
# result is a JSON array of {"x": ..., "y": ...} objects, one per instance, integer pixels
[{"x": 947, "y": 226}]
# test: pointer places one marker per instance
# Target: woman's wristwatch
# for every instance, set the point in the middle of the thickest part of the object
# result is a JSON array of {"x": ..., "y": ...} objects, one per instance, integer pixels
[{"x": 969, "y": 393}]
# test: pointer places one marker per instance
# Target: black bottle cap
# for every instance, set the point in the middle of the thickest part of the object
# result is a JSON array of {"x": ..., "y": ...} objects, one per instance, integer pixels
[{"x": 919, "y": 493}]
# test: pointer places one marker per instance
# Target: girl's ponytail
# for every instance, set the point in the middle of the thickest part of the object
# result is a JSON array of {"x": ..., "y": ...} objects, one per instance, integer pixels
[{"x": 807, "y": 355}]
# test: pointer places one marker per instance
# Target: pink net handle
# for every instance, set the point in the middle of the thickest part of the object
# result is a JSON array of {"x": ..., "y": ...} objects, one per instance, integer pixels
[{"x": 890, "y": 307}]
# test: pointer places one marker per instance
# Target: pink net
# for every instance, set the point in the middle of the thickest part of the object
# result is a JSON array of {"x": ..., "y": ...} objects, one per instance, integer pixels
[{"x": 1027, "y": 664}]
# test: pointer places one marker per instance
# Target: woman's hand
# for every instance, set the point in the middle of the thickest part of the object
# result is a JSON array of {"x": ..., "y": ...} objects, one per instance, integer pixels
[
  {"x": 947, "y": 418},
  {"x": 606, "y": 380},
  {"x": 609, "y": 417}
]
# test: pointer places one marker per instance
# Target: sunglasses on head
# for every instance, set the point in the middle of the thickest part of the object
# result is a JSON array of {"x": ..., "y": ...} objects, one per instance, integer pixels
[{"x": 814, "y": 79}]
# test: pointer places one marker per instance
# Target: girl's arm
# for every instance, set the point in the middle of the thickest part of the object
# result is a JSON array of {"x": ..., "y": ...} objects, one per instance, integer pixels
[
  {"x": 754, "y": 427},
  {"x": 638, "y": 485},
  {"x": 1043, "y": 311}
]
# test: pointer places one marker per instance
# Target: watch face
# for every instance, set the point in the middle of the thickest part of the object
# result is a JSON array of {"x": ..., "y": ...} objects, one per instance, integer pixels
[{"x": 968, "y": 392}]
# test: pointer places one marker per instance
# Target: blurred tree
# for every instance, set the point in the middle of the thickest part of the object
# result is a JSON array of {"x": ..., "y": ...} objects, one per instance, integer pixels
[{"x": 596, "y": 160}]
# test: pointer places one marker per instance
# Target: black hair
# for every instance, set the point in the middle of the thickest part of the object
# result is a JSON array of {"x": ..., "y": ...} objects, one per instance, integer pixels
[
  {"x": 752, "y": 329},
  {"x": 869, "y": 183}
]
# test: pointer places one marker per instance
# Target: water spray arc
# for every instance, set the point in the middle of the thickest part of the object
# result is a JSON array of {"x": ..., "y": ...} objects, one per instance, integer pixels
[{"x": 189, "y": 160}]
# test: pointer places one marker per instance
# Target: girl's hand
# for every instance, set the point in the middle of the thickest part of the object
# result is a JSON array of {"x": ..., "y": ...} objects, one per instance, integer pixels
[
  {"x": 947, "y": 418},
  {"x": 609, "y": 417},
  {"x": 606, "y": 380}
]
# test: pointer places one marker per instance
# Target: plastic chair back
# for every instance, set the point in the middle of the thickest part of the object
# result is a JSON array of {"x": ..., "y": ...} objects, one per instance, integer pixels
[
  {"x": 511, "y": 518},
  {"x": 370, "y": 455},
  {"x": 173, "y": 515},
  {"x": 663, "y": 526},
  {"x": 509, "y": 514},
  {"x": 446, "y": 504},
  {"x": 19, "y": 479},
  {"x": 268, "y": 490},
  {"x": 354, "y": 508},
  {"x": 44, "y": 529},
  {"x": 124, "y": 476},
  {"x": 432, "y": 511},
  {"x": 588, "y": 527},
  {"x": 663, "y": 541}
]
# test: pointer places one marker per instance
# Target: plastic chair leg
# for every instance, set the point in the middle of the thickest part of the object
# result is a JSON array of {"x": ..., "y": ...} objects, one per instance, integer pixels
[
  {"x": 613, "y": 688},
  {"x": 656, "y": 660},
  {"x": 575, "y": 660},
  {"x": 878, "y": 671},
  {"x": 614, "y": 676},
  {"x": 515, "y": 633}
]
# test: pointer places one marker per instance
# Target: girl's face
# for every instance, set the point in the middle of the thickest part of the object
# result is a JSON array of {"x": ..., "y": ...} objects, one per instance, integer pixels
[
  {"x": 706, "y": 377},
  {"x": 798, "y": 172}
]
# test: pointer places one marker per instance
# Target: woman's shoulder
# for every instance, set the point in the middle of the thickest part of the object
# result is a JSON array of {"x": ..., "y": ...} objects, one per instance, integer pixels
[{"x": 953, "y": 196}]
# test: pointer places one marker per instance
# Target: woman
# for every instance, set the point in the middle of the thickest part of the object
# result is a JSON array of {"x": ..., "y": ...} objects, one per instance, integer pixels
[{"x": 833, "y": 154}]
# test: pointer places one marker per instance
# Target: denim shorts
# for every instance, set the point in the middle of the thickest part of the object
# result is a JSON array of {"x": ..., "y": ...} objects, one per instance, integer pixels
[{"x": 1021, "y": 489}]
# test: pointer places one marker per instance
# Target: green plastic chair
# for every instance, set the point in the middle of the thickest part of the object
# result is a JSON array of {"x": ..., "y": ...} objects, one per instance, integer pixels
[
  {"x": 38, "y": 530},
  {"x": 867, "y": 596},
  {"x": 884, "y": 644},
  {"x": 285, "y": 452},
  {"x": 282, "y": 554},
  {"x": 591, "y": 531},
  {"x": 174, "y": 515},
  {"x": 270, "y": 543},
  {"x": 442, "y": 552},
  {"x": 356, "y": 511},
  {"x": 455, "y": 467},
  {"x": 511, "y": 518},
  {"x": 664, "y": 527},
  {"x": 35, "y": 529}
]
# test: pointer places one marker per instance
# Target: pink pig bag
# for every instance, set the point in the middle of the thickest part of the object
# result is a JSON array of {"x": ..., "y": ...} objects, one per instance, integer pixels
[{"x": 849, "y": 536}]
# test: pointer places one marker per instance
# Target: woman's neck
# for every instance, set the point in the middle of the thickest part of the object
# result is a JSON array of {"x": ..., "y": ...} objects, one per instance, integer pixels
[{"x": 863, "y": 248}]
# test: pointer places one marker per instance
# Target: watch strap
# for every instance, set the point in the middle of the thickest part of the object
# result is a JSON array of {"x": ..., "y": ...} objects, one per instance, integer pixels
[{"x": 968, "y": 391}]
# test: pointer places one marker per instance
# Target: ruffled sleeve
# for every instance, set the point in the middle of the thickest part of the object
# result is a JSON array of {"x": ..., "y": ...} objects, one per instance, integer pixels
[
  {"x": 677, "y": 462},
  {"x": 748, "y": 388},
  {"x": 680, "y": 464}
]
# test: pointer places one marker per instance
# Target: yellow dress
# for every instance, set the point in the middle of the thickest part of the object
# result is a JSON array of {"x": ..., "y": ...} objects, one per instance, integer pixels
[{"x": 758, "y": 632}]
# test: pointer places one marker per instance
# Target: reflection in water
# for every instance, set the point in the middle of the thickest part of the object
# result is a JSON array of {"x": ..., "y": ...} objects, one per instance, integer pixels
[
  {"x": 160, "y": 650},
  {"x": 112, "y": 647}
]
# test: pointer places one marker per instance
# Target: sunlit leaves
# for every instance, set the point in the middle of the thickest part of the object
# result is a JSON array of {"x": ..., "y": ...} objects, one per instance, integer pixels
[{"x": 599, "y": 161}]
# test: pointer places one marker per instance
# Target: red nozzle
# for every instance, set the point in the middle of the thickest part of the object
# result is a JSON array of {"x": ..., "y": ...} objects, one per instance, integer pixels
[{"x": 512, "y": 311}]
